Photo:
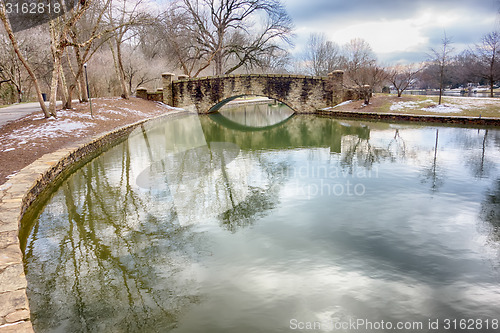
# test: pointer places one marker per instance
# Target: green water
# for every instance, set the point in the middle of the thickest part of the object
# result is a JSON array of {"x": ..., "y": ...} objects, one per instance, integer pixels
[{"x": 190, "y": 226}]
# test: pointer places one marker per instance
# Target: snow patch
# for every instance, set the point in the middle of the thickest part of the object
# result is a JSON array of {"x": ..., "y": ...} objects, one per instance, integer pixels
[
  {"x": 52, "y": 128},
  {"x": 343, "y": 103},
  {"x": 404, "y": 105},
  {"x": 443, "y": 108}
]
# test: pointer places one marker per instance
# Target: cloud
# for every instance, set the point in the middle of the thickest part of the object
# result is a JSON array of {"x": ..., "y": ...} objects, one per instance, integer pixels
[{"x": 394, "y": 29}]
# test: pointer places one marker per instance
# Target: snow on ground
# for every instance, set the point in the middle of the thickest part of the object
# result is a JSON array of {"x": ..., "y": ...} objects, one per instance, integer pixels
[
  {"x": 414, "y": 105},
  {"x": 472, "y": 102},
  {"x": 50, "y": 129},
  {"x": 343, "y": 103},
  {"x": 443, "y": 108},
  {"x": 68, "y": 121},
  {"x": 71, "y": 113},
  {"x": 453, "y": 105},
  {"x": 404, "y": 105}
]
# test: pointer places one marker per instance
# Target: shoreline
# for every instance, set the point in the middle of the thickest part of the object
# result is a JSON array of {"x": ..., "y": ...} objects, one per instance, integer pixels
[{"x": 414, "y": 118}]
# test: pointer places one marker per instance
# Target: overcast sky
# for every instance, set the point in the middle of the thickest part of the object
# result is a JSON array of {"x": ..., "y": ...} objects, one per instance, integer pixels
[{"x": 397, "y": 30}]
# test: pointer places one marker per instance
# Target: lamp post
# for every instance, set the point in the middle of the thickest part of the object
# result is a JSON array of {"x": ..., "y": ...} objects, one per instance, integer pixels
[{"x": 88, "y": 90}]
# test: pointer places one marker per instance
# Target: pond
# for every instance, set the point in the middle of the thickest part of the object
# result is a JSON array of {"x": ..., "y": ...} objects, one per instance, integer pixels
[{"x": 192, "y": 225}]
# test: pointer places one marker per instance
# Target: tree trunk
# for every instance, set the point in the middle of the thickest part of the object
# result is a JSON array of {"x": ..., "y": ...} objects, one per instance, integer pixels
[
  {"x": 121, "y": 71},
  {"x": 66, "y": 101},
  {"x": 441, "y": 79},
  {"x": 57, "y": 55},
  {"x": 80, "y": 82},
  {"x": 19, "y": 95},
  {"x": 53, "y": 85},
  {"x": 218, "y": 63},
  {"x": 13, "y": 41}
]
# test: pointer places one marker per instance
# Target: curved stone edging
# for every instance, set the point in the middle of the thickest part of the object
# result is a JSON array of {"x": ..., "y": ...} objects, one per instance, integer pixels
[
  {"x": 16, "y": 196},
  {"x": 459, "y": 120}
]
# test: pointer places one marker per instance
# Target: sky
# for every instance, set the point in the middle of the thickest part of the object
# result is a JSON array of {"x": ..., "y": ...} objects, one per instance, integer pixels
[{"x": 399, "y": 31}]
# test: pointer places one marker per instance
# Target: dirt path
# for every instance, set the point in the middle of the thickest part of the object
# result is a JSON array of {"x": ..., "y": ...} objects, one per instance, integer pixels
[{"x": 24, "y": 140}]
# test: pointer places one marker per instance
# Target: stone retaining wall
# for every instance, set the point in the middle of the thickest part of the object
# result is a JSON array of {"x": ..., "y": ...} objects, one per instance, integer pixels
[
  {"x": 16, "y": 196},
  {"x": 458, "y": 120}
]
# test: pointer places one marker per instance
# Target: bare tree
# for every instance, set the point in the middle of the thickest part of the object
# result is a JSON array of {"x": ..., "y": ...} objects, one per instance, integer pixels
[
  {"x": 360, "y": 58},
  {"x": 441, "y": 57},
  {"x": 226, "y": 35},
  {"x": 377, "y": 75},
  {"x": 138, "y": 70},
  {"x": 463, "y": 70},
  {"x": 60, "y": 29},
  {"x": 323, "y": 56},
  {"x": 122, "y": 17},
  {"x": 488, "y": 58},
  {"x": 362, "y": 69},
  {"x": 402, "y": 76},
  {"x": 179, "y": 43},
  {"x": 23, "y": 60},
  {"x": 11, "y": 69},
  {"x": 83, "y": 35}
]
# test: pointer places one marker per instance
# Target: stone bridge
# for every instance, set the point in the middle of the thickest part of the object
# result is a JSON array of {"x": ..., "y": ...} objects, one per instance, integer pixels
[{"x": 303, "y": 94}]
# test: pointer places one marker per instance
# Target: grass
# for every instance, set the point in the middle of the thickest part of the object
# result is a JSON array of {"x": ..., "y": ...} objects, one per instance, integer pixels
[{"x": 427, "y": 105}]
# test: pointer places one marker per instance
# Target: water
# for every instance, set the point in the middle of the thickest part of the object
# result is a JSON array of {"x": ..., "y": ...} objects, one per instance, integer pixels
[{"x": 314, "y": 222}]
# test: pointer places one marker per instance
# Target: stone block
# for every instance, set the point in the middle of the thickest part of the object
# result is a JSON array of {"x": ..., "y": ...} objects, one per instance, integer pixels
[
  {"x": 10, "y": 255},
  {"x": 18, "y": 315},
  {"x": 12, "y": 278},
  {"x": 8, "y": 238},
  {"x": 9, "y": 224},
  {"x": 13, "y": 301}
]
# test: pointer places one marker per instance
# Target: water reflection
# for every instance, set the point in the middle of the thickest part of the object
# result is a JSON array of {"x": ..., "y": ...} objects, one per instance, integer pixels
[
  {"x": 192, "y": 226},
  {"x": 253, "y": 117}
]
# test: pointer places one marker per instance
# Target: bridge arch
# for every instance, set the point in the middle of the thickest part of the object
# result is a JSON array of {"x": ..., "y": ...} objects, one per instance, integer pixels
[
  {"x": 303, "y": 94},
  {"x": 217, "y": 106}
]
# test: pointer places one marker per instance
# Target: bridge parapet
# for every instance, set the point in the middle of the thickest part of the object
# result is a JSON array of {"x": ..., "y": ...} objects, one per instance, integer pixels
[{"x": 304, "y": 94}]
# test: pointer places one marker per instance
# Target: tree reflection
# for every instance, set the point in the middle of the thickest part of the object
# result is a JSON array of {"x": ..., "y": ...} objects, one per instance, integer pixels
[
  {"x": 112, "y": 262},
  {"x": 431, "y": 173},
  {"x": 480, "y": 165},
  {"x": 490, "y": 211},
  {"x": 260, "y": 200},
  {"x": 397, "y": 147}
]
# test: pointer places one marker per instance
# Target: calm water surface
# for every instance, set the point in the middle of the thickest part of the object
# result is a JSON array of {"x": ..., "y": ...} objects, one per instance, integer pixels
[{"x": 196, "y": 224}]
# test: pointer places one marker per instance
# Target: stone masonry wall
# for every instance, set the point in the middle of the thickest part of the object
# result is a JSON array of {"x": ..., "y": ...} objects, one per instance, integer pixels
[{"x": 304, "y": 94}]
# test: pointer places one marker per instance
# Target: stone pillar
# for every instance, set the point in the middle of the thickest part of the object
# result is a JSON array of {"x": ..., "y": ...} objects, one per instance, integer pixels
[
  {"x": 141, "y": 92},
  {"x": 182, "y": 77},
  {"x": 167, "y": 88},
  {"x": 336, "y": 79}
]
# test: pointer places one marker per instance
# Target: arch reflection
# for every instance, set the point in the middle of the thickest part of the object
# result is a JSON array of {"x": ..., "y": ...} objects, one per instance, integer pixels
[{"x": 262, "y": 115}]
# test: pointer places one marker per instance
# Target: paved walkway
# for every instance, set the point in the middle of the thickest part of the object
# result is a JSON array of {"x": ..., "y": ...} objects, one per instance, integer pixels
[{"x": 16, "y": 111}]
